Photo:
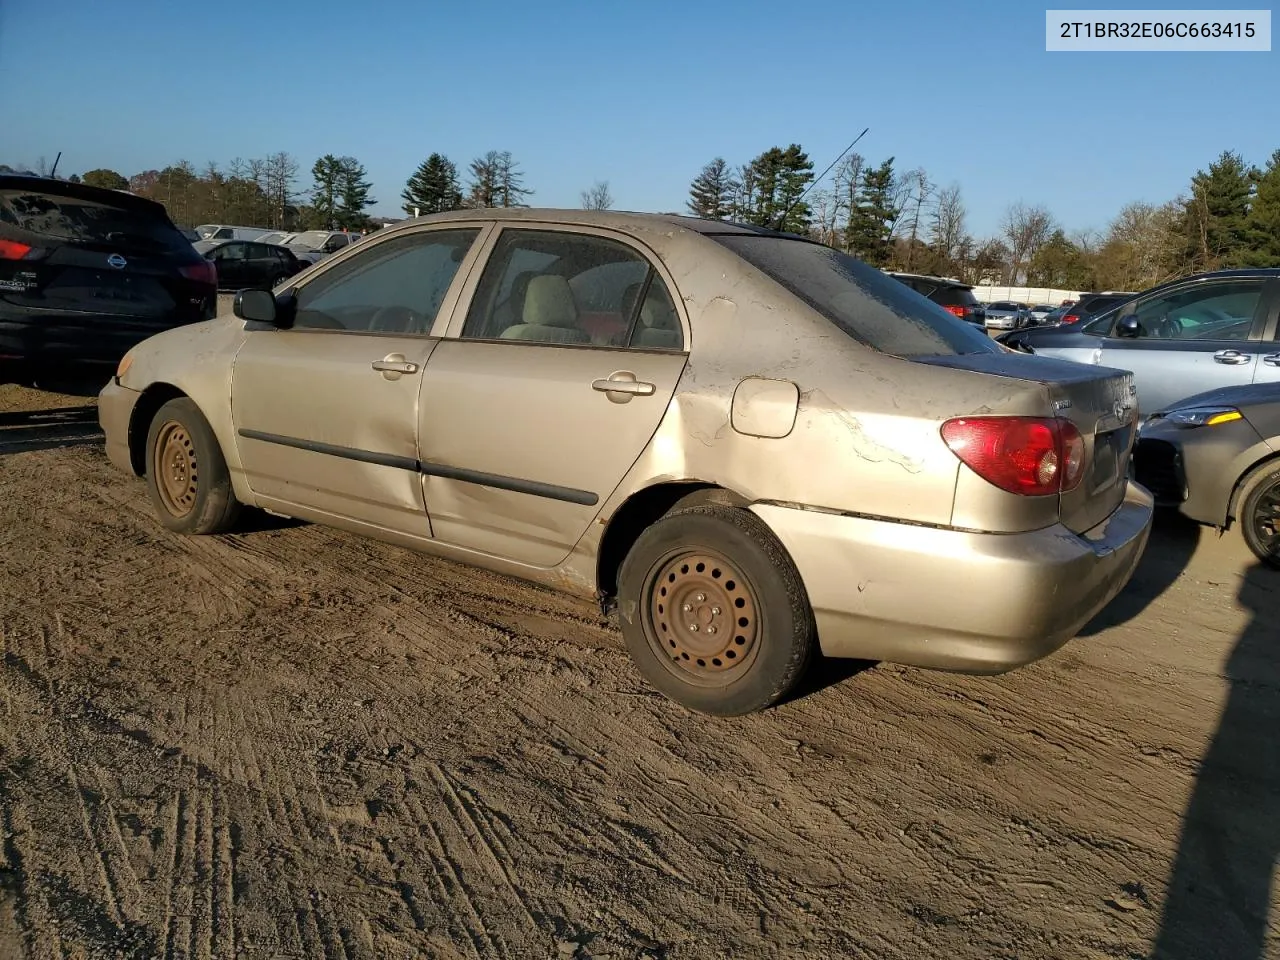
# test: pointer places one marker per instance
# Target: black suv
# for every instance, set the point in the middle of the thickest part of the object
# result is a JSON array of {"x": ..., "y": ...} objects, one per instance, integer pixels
[
  {"x": 952, "y": 295},
  {"x": 85, "y": 274}
]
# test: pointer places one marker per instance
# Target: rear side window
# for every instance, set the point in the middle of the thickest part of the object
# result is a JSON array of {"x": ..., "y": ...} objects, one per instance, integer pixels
[
  {"x": 863, "y": 302},
  {"x": 89, "y": 221}
]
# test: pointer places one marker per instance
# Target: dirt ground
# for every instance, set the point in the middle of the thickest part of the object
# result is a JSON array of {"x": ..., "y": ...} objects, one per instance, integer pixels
[{"x": 291, "y": 742}]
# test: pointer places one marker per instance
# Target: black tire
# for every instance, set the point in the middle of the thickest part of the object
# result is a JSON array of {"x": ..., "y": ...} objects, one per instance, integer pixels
[
  {"x": 737, "y": 579},
  {"x": 195, "y": 496},
  {"x": 1259, "y": 514}
]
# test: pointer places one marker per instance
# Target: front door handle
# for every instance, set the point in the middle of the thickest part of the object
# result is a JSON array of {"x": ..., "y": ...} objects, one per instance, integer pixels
[
  {"x": 1230, "y": 356},
  {"x": 1272, "y": 359},
  {"x": 622, "y": 385},
  {"x": 393, "y": 366}
]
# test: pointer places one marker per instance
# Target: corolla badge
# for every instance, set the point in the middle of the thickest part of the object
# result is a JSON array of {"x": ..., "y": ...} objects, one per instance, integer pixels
[{"x": 117, "y": 261}]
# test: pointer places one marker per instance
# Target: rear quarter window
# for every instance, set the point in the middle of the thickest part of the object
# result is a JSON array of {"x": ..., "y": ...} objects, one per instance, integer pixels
[{"x": 866, "y": 304}]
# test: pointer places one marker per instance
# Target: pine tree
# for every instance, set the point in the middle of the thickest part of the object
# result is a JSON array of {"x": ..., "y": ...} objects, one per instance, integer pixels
[
  {"x": 778, "y": 179},
  {"x": 433, "y": 188},
  {"x": 871, "y": 220},
  {"x": 711, "y": 195},
  {"x": 1213, "y": 223},
  {"x": 1262, "y": 228},
  {"x": 353, "y": 195},
  {"x": 325, "y": 194}
]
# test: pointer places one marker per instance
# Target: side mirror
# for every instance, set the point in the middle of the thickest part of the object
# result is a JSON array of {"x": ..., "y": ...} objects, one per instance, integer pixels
[
  {"x": 1129, "y": 327},
  {"x": 256, "y": 306}
]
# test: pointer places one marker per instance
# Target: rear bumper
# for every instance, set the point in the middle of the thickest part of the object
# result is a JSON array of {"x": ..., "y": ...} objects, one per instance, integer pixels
[
  {"x": 949, "y": 600},
  {"x": 115, "y": 413}
]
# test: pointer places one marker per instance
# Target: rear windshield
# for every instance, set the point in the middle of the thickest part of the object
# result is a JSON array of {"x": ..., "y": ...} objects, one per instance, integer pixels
[
  {"x": 863, "y": 302},
  {"x": 954, "y": 297},
  {"x": 88, "y": 221}
]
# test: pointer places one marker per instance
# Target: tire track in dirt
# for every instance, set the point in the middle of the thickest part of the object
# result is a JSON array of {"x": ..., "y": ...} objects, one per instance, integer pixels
[{"x": 402, "y": 763}]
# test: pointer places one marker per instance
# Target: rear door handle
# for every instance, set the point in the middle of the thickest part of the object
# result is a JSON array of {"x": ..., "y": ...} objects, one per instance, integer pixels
[
  {"x": 1272, "y": 359},
  {"x": 1230, "y": 356},
  {"x": 622, "y": 385},
  {"x": 394, "y": 365}
]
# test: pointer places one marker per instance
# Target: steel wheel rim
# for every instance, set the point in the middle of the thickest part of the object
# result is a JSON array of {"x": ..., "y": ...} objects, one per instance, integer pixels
[
  {"x": 174, "y": 467},
  {"x": 702, "y": 618},
  {"x": 1265, "y": 522}
]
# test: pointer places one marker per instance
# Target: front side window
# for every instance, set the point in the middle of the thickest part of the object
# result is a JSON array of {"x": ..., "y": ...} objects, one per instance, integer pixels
[
  {"x": 861, "y": 301},
  {"x": 1207, "y": 311},
  {"x": 547, "y": 286},
  {"x": 394, "y": 287}
]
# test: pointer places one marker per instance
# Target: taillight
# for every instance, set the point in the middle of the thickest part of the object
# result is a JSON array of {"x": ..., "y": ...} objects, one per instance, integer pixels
[
  {"x": 1029, "y": 456},
  {"x": 1071, "y": 318},
  {"x": 13, "y": 250},
  {"x": 202, "y": 272},
  {"x": 955, "y": 309}
]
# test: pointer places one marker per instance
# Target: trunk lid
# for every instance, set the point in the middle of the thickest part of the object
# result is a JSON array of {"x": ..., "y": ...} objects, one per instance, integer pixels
[{"x": 1101, "y": 402}]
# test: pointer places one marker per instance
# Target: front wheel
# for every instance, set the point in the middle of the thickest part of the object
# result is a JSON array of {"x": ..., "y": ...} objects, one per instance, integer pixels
[
  {"x": 1260, "y": 513},
  {"x": 187, "y": 476},
  {"x": 713, "y": 611}
]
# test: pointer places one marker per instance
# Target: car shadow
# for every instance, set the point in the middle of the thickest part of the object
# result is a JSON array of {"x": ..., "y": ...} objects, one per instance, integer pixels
[
  {"x": 1219, "y": 893},
  {"x": 825, "y": 672},
  {"x": 1170, "y": 548},
  {"x": 27, "y": 430}
]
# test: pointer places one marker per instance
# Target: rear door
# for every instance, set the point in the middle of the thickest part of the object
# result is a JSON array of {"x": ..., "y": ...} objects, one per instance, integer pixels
[
  {"x": 528, "y": 422},
  {"x": 1194, "y": 337}
]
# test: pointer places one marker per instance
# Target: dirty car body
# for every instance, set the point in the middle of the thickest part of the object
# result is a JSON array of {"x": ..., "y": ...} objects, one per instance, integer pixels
[{"x": 746, "y": 444}]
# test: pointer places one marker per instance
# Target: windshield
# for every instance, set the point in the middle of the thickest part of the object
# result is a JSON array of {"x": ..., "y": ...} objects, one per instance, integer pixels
[
  {"x": 315, "y": 239},
  {"x": 1003, "y": 305},
  {"x": 863, "y": 302}
]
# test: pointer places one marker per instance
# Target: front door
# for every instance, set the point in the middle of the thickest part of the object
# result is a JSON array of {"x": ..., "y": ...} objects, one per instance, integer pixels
[
  {"x": 530, "y": 418},
  {"x": 1192, "y": 338},
  {"x": 229, "y": 260},
  {"x": 326, "y": 411}
]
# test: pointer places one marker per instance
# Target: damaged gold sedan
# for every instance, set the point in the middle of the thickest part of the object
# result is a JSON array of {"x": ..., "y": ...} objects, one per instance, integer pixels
[{"x": 747, "y": 445}]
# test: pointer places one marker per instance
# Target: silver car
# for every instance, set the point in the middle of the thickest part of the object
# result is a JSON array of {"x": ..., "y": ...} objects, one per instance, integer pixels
[
  {"x": 747, "y": 445},
  {"x": 1006, "y": 315}
]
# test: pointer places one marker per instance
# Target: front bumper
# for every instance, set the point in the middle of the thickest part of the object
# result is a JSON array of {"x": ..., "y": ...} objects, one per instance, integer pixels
[
  {"x": 906, "y": 594},
  {"x": 1195, "y": 470},
  {"x": 115, "y": 415}
]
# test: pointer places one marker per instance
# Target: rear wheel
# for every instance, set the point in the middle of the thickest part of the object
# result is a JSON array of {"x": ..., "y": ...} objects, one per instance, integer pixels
[
  {"x": 713, "y": 611},
  {"x": 187, "y": 476},
  {"x": 1260, "y": 513}
]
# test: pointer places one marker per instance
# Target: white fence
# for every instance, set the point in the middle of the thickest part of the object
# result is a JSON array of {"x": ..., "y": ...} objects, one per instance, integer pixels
[{"x": 1031, "y": 296}]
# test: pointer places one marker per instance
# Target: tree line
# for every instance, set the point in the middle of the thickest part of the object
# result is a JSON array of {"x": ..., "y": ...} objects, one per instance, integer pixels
[
  {"x": 1229, "y": 215},
  {"x": 260, "y": 192},
  {"x": 904, "y": 220}
]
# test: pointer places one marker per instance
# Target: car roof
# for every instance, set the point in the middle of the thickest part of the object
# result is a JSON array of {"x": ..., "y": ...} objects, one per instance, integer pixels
[
  {"x": 928, "y": 276},
  {"x": 616, "y": 219}
]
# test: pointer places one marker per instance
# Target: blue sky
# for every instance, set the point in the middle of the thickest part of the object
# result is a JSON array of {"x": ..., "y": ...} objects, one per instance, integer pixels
[{"x": 639, "y": 94}]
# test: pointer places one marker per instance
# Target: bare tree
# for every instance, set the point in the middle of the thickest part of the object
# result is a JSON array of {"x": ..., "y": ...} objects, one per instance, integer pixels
[
  {"x": 597, "y": 197},
  {"x": 946, "y": 229},
  {"x": 1025, "y": 230},
  {"x": 826, "y": 208},
  {"x": 914, "y": 190},
  {"x": 280, "y": 173},
  {"x": 845, "y": 184}
]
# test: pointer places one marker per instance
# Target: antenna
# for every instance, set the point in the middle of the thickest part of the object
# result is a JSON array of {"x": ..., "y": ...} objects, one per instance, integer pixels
[
  {"x": 818, "y": 179},
  {"x": 54, "y": 172}
]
